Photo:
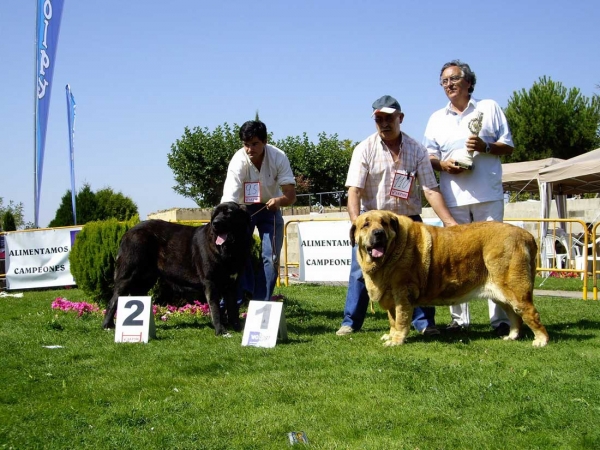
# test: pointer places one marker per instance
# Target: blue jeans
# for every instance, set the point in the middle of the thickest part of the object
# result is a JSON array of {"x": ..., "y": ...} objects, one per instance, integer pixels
[
  {"x": 261, "y": 281},
  {"x": 357, "y": 300}
]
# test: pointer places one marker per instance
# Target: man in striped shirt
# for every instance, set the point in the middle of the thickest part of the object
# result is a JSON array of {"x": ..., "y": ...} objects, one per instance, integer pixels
[{"x": 387, "y": 171}]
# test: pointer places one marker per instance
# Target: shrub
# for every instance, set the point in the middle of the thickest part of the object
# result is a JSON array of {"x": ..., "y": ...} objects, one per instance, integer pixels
[
  {"x": 93, "y": 256},
  {"x": 8, "y": 221}
]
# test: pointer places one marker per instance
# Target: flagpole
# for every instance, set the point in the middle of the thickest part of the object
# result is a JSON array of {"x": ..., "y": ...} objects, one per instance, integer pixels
[{"x": 35, "y": 103}]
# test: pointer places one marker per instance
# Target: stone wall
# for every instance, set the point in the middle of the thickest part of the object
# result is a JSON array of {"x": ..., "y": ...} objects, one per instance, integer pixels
[{"x": 587, "y": 210}]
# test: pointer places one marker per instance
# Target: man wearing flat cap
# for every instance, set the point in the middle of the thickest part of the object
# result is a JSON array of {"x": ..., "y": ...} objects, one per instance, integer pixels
[{"x": 376, "y": 162}]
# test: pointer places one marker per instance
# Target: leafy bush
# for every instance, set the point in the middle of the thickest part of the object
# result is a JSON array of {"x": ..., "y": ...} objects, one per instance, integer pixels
[
  {"x": 93, "y": 256},
  {"x": 8, "y": 221}
]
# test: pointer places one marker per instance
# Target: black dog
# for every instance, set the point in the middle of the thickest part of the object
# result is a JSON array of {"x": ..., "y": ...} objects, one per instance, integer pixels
[{"x": 209, "y": 257}]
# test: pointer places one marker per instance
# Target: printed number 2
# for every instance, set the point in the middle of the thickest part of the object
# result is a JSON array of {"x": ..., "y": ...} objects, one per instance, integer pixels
[
  {"x": 130, "y": 321},
  {"x": 266, "y": 314}
]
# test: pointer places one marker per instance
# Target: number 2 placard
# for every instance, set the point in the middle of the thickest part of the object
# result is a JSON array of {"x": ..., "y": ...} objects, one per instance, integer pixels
[
  {"x": 135, "y": 321},
  {"x": 264, "y": 322}
]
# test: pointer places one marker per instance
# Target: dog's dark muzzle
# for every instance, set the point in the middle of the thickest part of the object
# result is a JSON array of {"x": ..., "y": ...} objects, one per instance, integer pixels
[{"x": 377, "y": 243}]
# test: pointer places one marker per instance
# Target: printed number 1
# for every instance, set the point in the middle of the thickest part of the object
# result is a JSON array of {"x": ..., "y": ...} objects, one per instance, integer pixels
[
  {"x": 130, "y": 320},
  {"x": 266, "y": 314}
]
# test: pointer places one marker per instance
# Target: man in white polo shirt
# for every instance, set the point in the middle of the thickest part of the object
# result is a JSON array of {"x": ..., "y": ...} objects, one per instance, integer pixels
[
  {"x": 469, "y": 132},
  {"x": 259, "y": 175}
]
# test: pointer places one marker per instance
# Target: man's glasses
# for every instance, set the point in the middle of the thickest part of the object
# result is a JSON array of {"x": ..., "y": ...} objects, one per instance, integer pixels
[{"x": 452, "y": 80}]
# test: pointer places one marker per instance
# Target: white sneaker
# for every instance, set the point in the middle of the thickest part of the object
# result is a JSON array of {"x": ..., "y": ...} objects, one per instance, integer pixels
[{"x": 344, "y": 330}]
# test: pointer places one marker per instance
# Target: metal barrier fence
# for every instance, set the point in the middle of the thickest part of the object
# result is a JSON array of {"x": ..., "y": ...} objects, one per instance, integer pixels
[
  {"x": 568, "y": 247},
  {"x": 319, "y": 206},
  {"x": 564, "y": 249}
]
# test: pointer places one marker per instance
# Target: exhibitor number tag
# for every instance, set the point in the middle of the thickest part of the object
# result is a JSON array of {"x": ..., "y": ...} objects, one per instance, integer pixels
[
  {"x": 402, "y": 184},
  {"x": 252, "y": 192}
]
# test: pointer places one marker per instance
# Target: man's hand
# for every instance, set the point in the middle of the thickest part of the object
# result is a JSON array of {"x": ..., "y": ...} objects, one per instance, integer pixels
[
  {"x": 475, "y": 143},
  {"x": 274, "y": 204},
  {"x": 451, "y": 167}
]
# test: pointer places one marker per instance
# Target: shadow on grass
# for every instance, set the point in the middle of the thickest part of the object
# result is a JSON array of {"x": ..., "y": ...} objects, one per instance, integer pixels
[{"x": 556, "y": 333}]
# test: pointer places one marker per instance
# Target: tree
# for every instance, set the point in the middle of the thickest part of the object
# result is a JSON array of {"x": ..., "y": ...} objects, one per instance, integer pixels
[
  {"x": 16, "y": 209},
  {"x": 114, "y": 205},
  {"x": 102, "y": 205},
  {"x": 551, "y": 121},
  {"x": 64, "y": 214},
  {"x": 87, "y": 205},
  {"x": 199, "y": 161},
  {"x": 323, "y": 165},
  {"x": 8, "y": 221}
]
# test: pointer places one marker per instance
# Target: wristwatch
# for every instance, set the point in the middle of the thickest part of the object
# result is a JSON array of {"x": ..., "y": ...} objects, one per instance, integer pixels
[{"x": 488, "y": 149}]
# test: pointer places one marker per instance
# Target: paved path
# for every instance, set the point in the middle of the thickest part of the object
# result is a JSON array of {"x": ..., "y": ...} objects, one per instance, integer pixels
[{"x": 566, "y": 294}]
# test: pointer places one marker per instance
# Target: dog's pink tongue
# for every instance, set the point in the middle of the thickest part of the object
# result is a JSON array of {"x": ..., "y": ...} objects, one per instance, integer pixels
[
  {"x": 221, "y": 238},
  {"x": 377, "y": 252}
]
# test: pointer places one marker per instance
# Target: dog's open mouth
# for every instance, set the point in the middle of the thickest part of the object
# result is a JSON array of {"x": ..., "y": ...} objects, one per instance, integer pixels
[
  {"x": 376, "y": 251},
  {"x": 222, "y": 237}
]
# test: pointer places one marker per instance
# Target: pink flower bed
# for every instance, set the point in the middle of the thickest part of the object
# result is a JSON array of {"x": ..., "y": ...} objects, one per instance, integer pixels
[
  {"x": 81, "y": 307},
  {"x": 164, "y": 312}
]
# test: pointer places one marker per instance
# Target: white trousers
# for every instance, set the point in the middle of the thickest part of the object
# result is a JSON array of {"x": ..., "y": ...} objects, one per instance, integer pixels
[{"x": 478, "y": 212}]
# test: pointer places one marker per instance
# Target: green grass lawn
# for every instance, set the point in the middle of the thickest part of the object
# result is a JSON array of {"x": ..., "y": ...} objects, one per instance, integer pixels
[{"x": 188, "y": 389}]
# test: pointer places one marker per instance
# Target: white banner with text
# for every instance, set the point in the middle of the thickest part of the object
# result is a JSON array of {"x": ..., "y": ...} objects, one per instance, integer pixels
[
  {"x": 325, "y": 250},
  {"x": 40, "y": 258}
]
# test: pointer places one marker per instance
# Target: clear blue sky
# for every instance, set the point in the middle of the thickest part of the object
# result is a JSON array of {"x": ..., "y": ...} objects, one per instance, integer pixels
[{"x": 142, "y": 71}]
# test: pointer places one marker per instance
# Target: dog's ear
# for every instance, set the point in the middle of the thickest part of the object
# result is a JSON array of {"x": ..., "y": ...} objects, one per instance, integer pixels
[
  {"x": 352, "y": 230},
  {"x": 395, "y": 223}
]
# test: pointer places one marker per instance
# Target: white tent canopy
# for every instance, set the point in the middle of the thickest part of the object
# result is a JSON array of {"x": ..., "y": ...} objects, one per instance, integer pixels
[
  {"x": 522, "y": 176},
  {"x": 577, "y": 175}
]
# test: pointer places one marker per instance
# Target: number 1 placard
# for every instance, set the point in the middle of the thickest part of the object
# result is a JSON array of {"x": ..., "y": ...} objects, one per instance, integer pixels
[
  {"x": 264, "y": 322},
  {"x": 135, "y": 321}
]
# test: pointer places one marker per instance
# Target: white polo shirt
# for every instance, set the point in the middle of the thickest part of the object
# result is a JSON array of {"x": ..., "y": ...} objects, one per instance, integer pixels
[
  {"x": 275, "y": 171},
  {"x": 447, "y": 132}
]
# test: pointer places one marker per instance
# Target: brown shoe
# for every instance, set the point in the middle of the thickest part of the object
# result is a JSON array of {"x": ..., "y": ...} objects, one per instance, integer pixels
[{"x": 455, "y": 327}]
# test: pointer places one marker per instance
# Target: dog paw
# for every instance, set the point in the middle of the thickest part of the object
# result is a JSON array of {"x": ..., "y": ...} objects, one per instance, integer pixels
[
  {"x": 220, "y": 331},
  {"x": 538, "y": 343},
  {"x": 511, "y": 337},
  {"x": 226, "y": 335},
  {"x": 392, "y": 343},
  {"x": 386, "y": 337}
]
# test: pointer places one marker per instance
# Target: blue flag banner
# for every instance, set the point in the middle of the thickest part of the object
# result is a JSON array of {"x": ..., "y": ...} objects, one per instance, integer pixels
[
  {"x": 71, "y": 121},
  {"x": 49, "y": 13}
]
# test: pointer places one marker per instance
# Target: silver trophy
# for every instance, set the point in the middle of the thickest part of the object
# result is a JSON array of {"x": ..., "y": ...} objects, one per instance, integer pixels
[{"x": 464, "y": 159}]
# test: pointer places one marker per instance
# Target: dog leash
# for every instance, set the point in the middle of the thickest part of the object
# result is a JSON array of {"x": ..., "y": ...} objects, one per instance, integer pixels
[
  {"x": 252, "y": 215},
  {"x": 273, "y": 239}
]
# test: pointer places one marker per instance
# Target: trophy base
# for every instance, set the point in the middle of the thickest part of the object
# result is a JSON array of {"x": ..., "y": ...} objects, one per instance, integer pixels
[{"x": 464, "y": 165}]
